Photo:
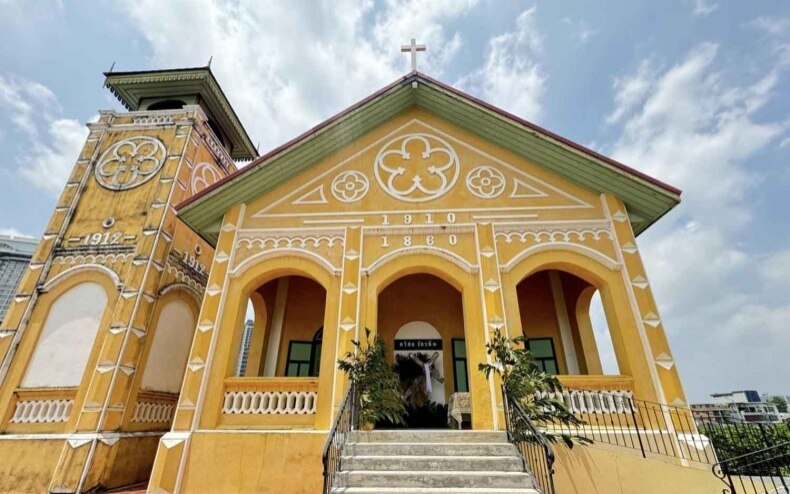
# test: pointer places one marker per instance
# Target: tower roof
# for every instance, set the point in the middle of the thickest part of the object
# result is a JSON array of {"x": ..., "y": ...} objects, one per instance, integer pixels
[
  {"x": 646, "y": 198},
  {"x": 132, "y": 87}
]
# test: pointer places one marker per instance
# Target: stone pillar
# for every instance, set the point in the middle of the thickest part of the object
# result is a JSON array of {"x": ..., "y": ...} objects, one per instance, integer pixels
[
  {"x": 173, "y": 448},
  {"x": 494, "y": 317},
  {"x": 351, "y": 327},
  {"x": 663, "y": 370}
]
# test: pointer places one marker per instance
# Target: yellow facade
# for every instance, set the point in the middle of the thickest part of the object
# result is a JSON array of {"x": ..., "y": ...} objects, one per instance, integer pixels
[{"x": 418, "y": 220}]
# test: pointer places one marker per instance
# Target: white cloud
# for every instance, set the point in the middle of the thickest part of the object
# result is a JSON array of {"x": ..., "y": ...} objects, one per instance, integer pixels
[
  {"x": 52, "y": 143},
  {"x": 691, "y": 127},
  {"x": 26, "y": 100},
  {"x": 286, "y": 66},
  {"x": 704, "y": 8},
  {"x": 688, "y": 124},
  {"x": 50, "y": 160},
  {"x": 776, "y": 31},
  {"x": 511, "y": 75}
]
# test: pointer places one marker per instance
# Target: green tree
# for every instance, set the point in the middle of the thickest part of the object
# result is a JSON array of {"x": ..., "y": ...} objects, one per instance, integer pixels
[
  {"x": 528, "y": 384},
  {"x": 378, "y": 386},
  {"x": 780, "y": 403}
]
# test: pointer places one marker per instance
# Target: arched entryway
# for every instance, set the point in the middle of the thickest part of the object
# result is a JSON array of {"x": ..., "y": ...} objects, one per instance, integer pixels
[
  {"x": 421, "y": 320},
  {"x": 283, "y": 329}
]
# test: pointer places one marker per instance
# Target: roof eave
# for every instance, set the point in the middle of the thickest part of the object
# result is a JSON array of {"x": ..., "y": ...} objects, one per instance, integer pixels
[{"x": 670, "y": 194}]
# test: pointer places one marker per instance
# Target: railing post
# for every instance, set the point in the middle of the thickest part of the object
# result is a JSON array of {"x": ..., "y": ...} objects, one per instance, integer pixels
[{"x": 636, "y": 427}]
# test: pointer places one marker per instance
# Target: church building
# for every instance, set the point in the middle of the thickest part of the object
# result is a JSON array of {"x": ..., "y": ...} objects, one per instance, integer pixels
[{"x": 421, "y": 214}]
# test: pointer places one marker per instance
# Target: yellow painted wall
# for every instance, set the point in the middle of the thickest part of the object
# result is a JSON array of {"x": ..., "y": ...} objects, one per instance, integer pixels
[
  {"x": 274, "y": 463},
  {"x": 304, "y": 315},
  {"x": 593, "y": 470},
  {"x": 26, "y": 466},
  {"x": 538, "y": 315},
  {"x": 572, "y": 287},
  {"x": 422, "y": 297}
]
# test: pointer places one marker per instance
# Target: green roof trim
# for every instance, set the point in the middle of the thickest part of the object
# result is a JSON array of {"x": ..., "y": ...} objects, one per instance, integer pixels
[
  {"x": 132, "y": 87},
  {"x": 646, "y": 198}
]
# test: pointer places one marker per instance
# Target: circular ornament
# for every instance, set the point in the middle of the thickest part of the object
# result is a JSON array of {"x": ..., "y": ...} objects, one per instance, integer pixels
[
  {"x": 485, "y": 182},
  {"x": 130, "y": 163},
  {"x": 198, "y": 249},
  {"x": 417, "y": 167},
  {"x": 350, "y": 186},
  {"x": 108, "y": 222},
  {"x": 203, "y": 175}
]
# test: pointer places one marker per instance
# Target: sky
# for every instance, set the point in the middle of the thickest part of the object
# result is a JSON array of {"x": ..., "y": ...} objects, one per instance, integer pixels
[{"x": 693, "y": 92}]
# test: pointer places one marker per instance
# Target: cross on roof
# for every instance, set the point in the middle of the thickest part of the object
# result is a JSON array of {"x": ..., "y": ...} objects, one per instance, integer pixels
[{"x": 413, "y": 48}]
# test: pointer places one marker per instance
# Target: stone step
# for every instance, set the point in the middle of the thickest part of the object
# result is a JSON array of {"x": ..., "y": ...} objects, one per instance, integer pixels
[
  {"x": 430, "y": 449},
  {"x": 430, "y": 490},
  {"x": 445, "y": 479},
  {"x": 426, "y": 436},
  {"x": 433, "y": 463}
]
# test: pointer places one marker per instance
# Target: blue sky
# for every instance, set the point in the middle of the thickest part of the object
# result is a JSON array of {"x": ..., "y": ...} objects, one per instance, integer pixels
[{"x": 694, "y": 92}]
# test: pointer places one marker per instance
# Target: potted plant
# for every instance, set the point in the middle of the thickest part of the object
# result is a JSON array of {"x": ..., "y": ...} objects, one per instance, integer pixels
[
  {"x": 378, "y": 386},
  {"x": 528, "y": 384}
]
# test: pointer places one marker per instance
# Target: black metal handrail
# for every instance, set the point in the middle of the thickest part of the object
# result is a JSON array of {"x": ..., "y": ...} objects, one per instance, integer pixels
[
  {"x": 763, "y": 471},
  {"x": 535, "y": 449},
  {"x": 621, "y": 420},
  {"x": 346, "y": 421}
]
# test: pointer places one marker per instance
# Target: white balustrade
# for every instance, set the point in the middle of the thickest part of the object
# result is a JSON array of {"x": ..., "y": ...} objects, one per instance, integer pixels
[
  {"x": 153, "y": 120},
  {"x": 153, "y": 413},
  {"x": 598, "y": 402},
  {"x": 270, "y": 402},
  {"x": 42, "y": 411}
]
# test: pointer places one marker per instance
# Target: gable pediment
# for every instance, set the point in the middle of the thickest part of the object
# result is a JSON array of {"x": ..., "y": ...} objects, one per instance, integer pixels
[
  {"x": 645, "y": 198},
  {"x": 419, "y": 163}
]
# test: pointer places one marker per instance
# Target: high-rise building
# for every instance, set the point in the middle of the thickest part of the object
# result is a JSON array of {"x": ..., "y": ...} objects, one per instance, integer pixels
[{"x": 15, "y": 254}]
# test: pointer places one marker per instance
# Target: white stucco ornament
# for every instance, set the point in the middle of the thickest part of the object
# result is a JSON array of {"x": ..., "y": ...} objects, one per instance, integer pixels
[
  {"x": 350, "y": 186},
  {"x": 130, "y": 162},
  {"x": 203, "y": 175},
  {"x": 417, "y": 167},
  {"x": 486, "y": 182}
]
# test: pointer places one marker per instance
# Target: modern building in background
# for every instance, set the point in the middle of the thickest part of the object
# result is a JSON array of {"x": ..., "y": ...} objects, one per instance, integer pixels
[
  {"x": 15, "y": 254},
  {"x": 244, "y": 352},
  {"x": 744, "y": 406}
]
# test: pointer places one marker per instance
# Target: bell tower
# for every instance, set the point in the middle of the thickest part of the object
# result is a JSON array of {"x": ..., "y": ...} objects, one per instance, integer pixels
[{"x": 95, "y": 344}]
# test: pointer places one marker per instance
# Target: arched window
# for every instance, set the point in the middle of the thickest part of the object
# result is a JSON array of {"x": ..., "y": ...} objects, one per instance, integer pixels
[
  {"x": 168, "y": 104},
  {"x": 67, "y": 338},
  {"x": 167, "y": 360}
]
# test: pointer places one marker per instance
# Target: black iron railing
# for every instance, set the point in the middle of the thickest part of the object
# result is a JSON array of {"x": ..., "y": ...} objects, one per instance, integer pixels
[
  {"x": 346, "y": 421},
  {"x": 618, "y": 419},
  {"x": 759, "y": 472},
  {"x": 535, "y": 449}
]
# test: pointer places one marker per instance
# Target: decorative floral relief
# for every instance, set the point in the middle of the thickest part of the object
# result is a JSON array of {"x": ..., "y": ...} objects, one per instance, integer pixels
[
  {"x": 131, "y": 162},
  {"x": 203, "y": 175},
  {"x": 486, "y": 182},
  {"x": 350, "y": 186},
  {"x": 417, "y": 167}
]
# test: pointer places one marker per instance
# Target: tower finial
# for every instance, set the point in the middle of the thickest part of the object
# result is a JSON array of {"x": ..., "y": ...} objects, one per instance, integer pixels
[
  {"x": 112, "y": 66},
  {"x": 209, "y": 61}
]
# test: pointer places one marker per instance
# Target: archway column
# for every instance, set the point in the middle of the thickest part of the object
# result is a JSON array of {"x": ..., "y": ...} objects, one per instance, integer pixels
[
  {"x": 591, "y": 356},
  {"x": 640, "y": 295},
  {"x": 258, "y": 335}
]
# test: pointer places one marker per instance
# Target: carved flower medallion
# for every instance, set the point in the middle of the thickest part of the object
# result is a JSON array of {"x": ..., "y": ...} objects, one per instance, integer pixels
[
  {"x": 417, "y": 167},
  {"x": 130, "y": 163},
  {"x": 486, "y": 182},
  {"x": 203, "y": 175},
  {"x": 350, "y": 186}
]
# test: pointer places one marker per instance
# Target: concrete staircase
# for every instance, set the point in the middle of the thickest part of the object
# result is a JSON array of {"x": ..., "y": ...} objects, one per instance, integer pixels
[{"x": 431, "y": 462}]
